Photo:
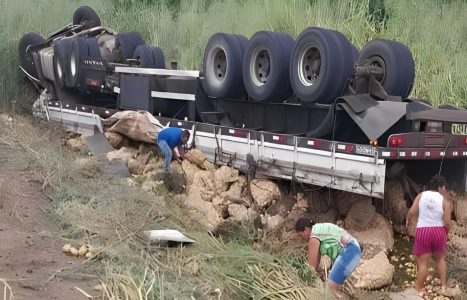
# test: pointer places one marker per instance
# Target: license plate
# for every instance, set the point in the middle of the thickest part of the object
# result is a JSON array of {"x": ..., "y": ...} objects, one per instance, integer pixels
[
  {"x": 459, "y": 129},
  {"x": 366, "y": 150}
]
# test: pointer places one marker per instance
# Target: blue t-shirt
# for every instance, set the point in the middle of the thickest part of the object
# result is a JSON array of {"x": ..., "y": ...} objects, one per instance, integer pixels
[{"x": 172, "y": 136}]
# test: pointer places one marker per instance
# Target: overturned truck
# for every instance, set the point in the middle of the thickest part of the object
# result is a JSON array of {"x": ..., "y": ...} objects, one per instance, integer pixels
[{"x": 313, "y": 109}]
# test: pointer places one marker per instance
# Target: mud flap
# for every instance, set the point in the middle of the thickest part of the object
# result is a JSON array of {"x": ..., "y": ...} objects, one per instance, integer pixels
[
  {"x": 373, "y": 117},
  {"x": 98, "y": 144}
]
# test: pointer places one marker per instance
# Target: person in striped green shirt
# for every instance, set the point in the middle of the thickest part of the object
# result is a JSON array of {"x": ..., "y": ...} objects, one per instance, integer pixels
[{"x": 335, "y": 242}]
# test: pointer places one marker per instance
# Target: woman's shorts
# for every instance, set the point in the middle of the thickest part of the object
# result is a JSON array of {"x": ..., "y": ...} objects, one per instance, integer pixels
[
  {"x": 346, "y": 262},
  {"x": 429, "y": 240}
]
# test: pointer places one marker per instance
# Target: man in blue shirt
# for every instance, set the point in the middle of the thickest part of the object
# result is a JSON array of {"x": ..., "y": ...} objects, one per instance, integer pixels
[{"x": 168, "y": 141}]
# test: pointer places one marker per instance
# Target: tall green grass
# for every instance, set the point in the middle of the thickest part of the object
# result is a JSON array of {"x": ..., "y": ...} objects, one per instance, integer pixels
[{"x": 435, "y": 31}]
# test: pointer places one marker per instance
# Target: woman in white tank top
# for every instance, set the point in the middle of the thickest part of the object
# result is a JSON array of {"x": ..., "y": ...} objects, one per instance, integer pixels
[{"x": 433, "y": 224}]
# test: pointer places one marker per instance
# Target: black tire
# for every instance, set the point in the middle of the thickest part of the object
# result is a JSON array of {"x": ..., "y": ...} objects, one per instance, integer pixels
[
  {"x": 93, "y": 47},
  {"x": 81, "y": 48},
  {"x": 150, "y": 57},
  {"x": 242, "y": 41},
  {"x": 266, "y": 66},
  {"x": 397, "y": 63},
  {"x": 61, "y": 61},
  {"x": 26, "y": 59},
  {"x": 127, "y": 42},
  {"x": 322, "y": 62},
  {"x": 223, "y": 61},
  {"x": 86, "y": 16}
]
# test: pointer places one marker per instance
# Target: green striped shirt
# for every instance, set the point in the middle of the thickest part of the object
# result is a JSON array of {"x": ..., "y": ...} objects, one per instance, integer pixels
[{"x": 329, "y": 236}]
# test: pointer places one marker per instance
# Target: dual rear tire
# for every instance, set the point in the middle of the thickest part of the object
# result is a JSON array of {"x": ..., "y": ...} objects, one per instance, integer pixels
[
  {"x": 316, "y": 68},
  {"x": 69, "y": 54},
  {"x": 272, "y": 66}
]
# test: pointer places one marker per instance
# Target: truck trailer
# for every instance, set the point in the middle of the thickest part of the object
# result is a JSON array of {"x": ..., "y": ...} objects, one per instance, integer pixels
[{"x": 314, "y": 109}]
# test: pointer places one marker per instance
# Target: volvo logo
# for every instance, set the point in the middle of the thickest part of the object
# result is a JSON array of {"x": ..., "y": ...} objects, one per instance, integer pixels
[{"x": 93, "y": 62}]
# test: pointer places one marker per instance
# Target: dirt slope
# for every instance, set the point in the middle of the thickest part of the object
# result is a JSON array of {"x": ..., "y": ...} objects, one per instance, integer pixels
[{"x": 31, "y": 260}]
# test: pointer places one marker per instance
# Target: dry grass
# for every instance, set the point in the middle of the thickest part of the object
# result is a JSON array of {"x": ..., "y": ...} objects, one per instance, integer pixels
[{"x": 102, "y": 211}]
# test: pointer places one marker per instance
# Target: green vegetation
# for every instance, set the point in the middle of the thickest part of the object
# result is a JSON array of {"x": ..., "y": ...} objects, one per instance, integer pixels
[
  {"x": 435, "y": 31},
  {"x": 92, "y": 207}
]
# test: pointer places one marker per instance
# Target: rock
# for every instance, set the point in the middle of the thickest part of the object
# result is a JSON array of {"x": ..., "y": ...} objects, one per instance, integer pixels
[
  {"x": 343, "y": 201},
  {"x": 202, "y": 211},
  {"x": 139, "y": 160},
  {"x": 395, "y": 205},
  {"x": 77, "y": 144},
  {"x": 223, "y": 178},
  {"x": 360, "y": 214},
  {"x": 124, "y": 154},
  {"x": 301, "y": 202},
  {"x": 283, "y": 206},
  {"x": 271, "y": 222},
  {"x": 175, "y": 182},
  {"x": 377, "y": 237},
  {"x": 153, "y": 166},
  {"x": 320, "y": 201},
  {"x": 298, "y": 210},
  {"x": 218, "y": 201},
  {"x": 452, "y": 292},
  {"x": 196, "y": 157},
  {"x": 209, "y": 166},
  {"x": 372, "y": 274},
  {"x": 328, "y": 217},
  {"x": 238, "y": 212},
  {"x": 135, "y": 166},
  {"x": 264, "y": 192},
  {"x": 117, "y": 140},
  {"x": 190, "y": 170},
  {"x": 235, "y": 192},
  {"x": 203, "y": 184},
  {"x": 460, "y": 210}
]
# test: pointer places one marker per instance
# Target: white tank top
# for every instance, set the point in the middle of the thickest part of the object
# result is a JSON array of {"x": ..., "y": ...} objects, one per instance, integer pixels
[{"x": 430, "y": 210}]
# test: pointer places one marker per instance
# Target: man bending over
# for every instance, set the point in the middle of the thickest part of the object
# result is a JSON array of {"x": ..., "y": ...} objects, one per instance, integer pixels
[{"x": 168, "y": 141}]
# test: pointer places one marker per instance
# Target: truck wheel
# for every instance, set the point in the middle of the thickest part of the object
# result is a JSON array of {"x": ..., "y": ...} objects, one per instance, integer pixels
[
  {"x": 61, "y": 61},
  {"x": 223, "y": 60},
  {"x": 25, "y": 59},
  {"x": 86, "y": 16},
  {"x": 242, "y": 41},
  {"x": 322, "y": 61},
  {"x": 150, "y": 57},
  {"x": 80, "y": 49},
  {"x": 127, "y": 42},
  {"x": 266, "y": 66},
  {"x": 397, "y": 64}
]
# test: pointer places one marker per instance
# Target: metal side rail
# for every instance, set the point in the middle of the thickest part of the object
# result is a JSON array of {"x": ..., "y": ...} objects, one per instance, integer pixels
[
  {"x": 79, "y": 119},
  {"x": 310, "y": 161}
]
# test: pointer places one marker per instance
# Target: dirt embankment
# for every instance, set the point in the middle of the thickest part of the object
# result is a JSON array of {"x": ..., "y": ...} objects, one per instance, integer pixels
[{"x": 31, "y": 260}]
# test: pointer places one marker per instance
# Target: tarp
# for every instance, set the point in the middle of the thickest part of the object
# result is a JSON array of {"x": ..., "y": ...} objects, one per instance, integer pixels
[{"x": 139, "y": 126}]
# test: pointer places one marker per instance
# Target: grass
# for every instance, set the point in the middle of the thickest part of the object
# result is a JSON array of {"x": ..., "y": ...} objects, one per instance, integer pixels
[
  {"x": 106, "y": 213},
  {"x": 435, "y": 31},
  {"x": 94, "y": 208}
]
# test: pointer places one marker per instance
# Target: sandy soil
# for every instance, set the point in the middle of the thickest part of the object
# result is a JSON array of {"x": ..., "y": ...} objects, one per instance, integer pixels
[{"x": 31, "y": 259}]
